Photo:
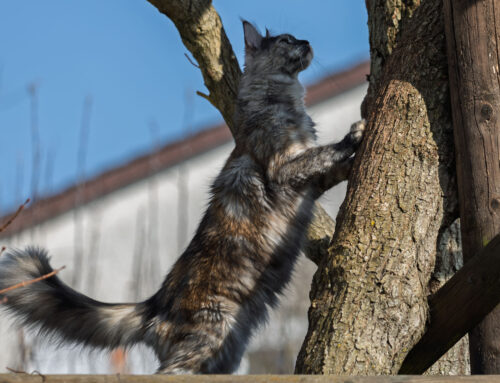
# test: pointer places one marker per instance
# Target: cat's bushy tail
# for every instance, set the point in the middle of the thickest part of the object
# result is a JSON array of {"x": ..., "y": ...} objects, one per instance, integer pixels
[{"x": 56, "y": 309}]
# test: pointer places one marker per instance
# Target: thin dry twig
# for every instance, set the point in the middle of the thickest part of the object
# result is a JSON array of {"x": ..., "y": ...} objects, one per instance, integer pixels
[
  {"x": 34, "y": 372},
  {"x": 35, "y": 140},
  {"x": 31, "y": 281},
  {"x": 205, "y": 96},
  {"x": 15, "y": 371},
  {"x": 191, "y": 61},
  {"x": 14, "y": 216}
]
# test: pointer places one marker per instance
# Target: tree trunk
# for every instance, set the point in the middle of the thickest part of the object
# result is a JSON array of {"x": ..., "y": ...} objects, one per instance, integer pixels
[
  {"x": 472, "y": 34},
  {"x": 369, "y": 295}
]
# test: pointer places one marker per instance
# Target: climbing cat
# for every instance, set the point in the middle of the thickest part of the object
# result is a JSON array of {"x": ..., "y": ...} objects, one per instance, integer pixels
[{"x": 244, "y": 250}]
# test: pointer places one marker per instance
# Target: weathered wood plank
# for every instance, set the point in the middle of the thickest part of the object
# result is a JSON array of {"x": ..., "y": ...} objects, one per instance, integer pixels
[
  {"x": 473, "y": 35},
  {"x": 29, "y": 378},
  {"x": 457, "y": 307}
]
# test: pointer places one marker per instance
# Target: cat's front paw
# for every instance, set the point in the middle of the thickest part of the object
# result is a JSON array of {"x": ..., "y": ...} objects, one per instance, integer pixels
[{"x": 357, "y": 131}]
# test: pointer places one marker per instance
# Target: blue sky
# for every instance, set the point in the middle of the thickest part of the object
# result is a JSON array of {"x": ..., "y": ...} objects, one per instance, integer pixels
[{"x": 129, "y": 60}]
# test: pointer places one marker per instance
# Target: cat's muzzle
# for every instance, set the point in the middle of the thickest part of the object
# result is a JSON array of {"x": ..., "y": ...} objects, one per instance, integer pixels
[{"x": 307, "y": 53}]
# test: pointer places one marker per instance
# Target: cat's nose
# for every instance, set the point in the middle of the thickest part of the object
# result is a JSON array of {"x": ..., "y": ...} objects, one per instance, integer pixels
[
  {"x": 305, "y": 44},
  {"x": 306, "y": 47}
]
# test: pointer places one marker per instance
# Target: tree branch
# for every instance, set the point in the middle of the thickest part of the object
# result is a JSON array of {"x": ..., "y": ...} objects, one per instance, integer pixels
[
  {"x": 201, "y": 31},
  {"x": 472, "y": 33},
  {"x": 14, "y": 216},
  {"x": 31, "y": 281}
]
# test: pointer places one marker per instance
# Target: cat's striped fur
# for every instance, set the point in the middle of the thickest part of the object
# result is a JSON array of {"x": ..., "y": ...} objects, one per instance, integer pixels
[{"x": 246, "y": 245}]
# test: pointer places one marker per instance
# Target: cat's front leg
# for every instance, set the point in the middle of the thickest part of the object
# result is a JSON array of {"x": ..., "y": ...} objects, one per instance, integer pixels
[
  {"x": 356, "y": 133},
  {"x": 341, "y": 172},
  {"x": 322, "y": 167}
]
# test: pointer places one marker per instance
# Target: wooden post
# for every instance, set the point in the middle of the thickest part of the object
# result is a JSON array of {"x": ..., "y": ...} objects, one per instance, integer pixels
[
  {"x": 457, "y": 308},
  {"x": 472, "y": 34}
]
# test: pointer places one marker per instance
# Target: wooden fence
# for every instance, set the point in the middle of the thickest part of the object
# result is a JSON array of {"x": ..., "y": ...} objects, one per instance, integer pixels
[{"x": 38, "y": 378}]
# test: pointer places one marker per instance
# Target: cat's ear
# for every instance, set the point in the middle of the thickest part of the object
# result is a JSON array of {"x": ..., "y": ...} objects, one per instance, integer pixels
[
  {"x": 267, "y": 33},
  {"x": 253, "y": 39}
]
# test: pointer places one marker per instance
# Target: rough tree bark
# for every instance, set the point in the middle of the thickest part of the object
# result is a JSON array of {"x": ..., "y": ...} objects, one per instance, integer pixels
[
  {"x": 201, "y": 31},
  {"x": 369, "y": 295},
  {"x": 449, "y": 259},
  {"x": 472, "y": 32}
]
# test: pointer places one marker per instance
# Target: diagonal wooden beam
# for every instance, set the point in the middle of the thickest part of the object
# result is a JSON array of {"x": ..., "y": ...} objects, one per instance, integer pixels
[{"x": 471, "y": 294}]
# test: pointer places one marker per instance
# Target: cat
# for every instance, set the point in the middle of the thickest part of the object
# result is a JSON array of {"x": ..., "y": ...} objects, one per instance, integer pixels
[{"x": 244, "y": 250}]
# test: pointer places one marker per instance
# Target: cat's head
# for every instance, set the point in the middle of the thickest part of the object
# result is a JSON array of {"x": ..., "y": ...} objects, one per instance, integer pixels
[{"x": 275, "y": 54}]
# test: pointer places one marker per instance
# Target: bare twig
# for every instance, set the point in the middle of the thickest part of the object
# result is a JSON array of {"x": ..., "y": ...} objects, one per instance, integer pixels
[
  {"x": 183, "y": 180},
  {"x": 138, "y": 272},
  {"x": 34, "y": 372},
  {"x": 191, "y": 61},
  {"x": 153, "y": 234},
  {"x": 15, "y": 371},
  {"x": 79, "y": 251},
  {"x": 31, "y": 281},
  {"x": 49, "y": 170},
  {"x": 18, "y": 187},
  {"x": 14, "y": 216},
  {"x": 198, "y": 23},
  {"x": 93, "y": 253},
  {"x": 35, "y": 140},
  {"x": 205, "y": 96}
]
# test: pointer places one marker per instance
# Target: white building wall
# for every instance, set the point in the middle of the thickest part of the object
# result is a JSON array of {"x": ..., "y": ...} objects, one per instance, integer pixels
[{"x": 130, "y": 238}]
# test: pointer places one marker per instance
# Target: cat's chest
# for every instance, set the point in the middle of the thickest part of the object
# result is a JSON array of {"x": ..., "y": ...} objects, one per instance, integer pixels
[{"x": 287, "y": 220}]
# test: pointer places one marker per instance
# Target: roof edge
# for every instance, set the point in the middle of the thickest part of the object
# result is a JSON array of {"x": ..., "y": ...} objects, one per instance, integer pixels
[{"x": 167, "y": 156}]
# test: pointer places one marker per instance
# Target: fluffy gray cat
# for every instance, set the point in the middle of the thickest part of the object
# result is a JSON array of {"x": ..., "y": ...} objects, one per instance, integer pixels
[{"x": 243, "y": 253}]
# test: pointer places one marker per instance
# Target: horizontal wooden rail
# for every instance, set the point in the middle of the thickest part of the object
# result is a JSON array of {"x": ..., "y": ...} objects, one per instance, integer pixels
[
  {"x": 457, "y": 307},
  {"x": 37, "y": 378}
]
